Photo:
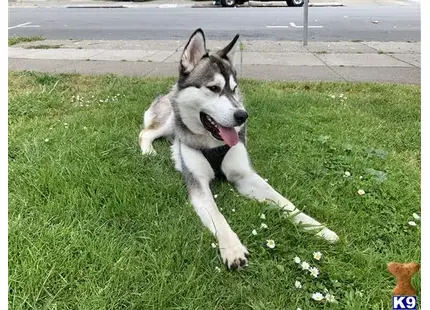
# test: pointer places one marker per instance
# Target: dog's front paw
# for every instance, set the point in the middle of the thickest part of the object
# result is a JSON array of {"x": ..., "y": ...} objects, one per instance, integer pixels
[
  {"x": 148, "y": 150},
  {"x": 328, "y": 235},
  {"x": 233, "y": 253}
]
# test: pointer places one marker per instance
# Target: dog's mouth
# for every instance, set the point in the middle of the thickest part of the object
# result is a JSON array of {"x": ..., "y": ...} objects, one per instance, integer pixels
[{"x": 227, "y": 134}]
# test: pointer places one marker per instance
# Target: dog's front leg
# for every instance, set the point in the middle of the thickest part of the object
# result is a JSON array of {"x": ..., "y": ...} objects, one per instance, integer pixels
[
  {"x": 238, "y": 170},
  {"x": 198, "y": 173}
]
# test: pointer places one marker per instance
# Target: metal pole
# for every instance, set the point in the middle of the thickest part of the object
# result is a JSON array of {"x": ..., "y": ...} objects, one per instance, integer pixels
[{"x": 305, "y": 22}]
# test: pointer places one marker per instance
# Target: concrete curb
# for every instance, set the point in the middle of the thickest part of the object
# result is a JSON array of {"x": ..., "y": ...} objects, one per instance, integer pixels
[
  {"x": 277, "y": 4},
  {"x": 96, "y": 7}
]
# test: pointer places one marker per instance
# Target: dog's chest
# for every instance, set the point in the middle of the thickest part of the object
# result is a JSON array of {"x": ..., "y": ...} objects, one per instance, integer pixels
[{"x": 215, "y": 156}]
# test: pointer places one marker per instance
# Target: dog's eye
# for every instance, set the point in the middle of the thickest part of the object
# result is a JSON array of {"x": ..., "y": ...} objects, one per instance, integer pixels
[{"x": 214, "y": 88}]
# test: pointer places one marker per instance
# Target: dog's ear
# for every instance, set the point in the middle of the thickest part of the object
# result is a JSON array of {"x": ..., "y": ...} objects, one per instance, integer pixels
[
  {"x": 229, "y": 52},
  {"x": 193, "y": 51}
]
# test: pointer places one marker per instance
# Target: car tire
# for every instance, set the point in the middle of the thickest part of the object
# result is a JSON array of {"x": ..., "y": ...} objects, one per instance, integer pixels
[
  {"x": 295, "y": 2},
  {"x": 229, "y": 3}
]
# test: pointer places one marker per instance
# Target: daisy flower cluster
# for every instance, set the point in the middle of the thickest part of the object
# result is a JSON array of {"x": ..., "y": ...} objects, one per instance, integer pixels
[
  {"x": 416, "y": 218},
  {"x": 313, "y": 271},
  {"x": 55, "y": 125},
  {"x": 270, "y": 243},
  {"x": 342, "y": 97},
  {"x": 81, "y": 101}
]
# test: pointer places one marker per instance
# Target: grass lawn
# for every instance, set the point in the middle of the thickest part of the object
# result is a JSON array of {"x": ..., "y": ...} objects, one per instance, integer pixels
[{"x": 94, "y": 225}]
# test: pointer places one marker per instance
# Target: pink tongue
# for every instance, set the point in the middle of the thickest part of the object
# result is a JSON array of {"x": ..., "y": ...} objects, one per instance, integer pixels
[{"x": 229, "y": 135}]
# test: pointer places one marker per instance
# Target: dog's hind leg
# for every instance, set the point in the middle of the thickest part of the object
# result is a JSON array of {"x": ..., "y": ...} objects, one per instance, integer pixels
[
  {"x": 154, "y": 131},
  {"x": 158, "y": 122},
  {"x": 238, "y": 170}
]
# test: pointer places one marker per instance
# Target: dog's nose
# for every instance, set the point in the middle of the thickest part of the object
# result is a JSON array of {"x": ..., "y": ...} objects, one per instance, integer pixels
[{"x": 240, "y": 116}]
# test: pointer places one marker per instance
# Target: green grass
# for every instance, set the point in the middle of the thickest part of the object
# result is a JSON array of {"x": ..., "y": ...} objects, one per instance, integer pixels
[
  {"x": 94, "y": 225},
  {"x": 43, "y": 46},
  {"x": 16, "y": 40}
]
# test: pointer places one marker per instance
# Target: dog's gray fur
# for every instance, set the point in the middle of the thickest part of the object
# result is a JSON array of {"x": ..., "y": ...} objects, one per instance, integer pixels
[{"x": 198, "y": 155}]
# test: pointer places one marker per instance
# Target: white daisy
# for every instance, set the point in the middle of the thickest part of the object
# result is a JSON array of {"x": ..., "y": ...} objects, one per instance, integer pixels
[
  {"x": 412, "y": 223},
  {"x": 270, "y": 244},
  {"x": 215, "y": 196},
  {"x": 254, "y": 232},
  {"x": 213, "y": 245},
  {"x": 330, "y": 297},
  {"x": 347, "y": 174},
  {"x": 314, "y": 272},
  {"x": 317, "y": 255},
  {"x": 46, "y": 140},
  {"x": 361, "y": 192},
  {"x": 416, "y": 216},
  {"x": 217, "y": 269},
  {"x": 262, "y": 216},
  {"x": 317, "y": 296},
  {"x": 305, "y": 266},
  {"x": 263, "y": 225},
  {"x": 233, "y": 210},
  {"x": 299, "y": 309},
  {"x": 297, "y": 260},
  {"x": 297, "y": 284}
]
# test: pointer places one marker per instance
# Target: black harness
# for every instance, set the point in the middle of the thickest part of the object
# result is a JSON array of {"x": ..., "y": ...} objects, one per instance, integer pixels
[{"x": 215, "y": 157}]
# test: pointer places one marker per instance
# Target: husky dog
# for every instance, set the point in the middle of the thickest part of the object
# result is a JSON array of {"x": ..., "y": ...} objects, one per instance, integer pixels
[{"x": 205, "y": 118}]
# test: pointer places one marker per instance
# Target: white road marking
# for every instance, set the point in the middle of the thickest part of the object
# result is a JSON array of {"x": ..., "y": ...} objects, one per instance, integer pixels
[
  {"x": 277, "y": 26},
  {"x": 30, "y": 26},
  {"x": 295, "y": 26},
  {"x": 20, "y": 25}
]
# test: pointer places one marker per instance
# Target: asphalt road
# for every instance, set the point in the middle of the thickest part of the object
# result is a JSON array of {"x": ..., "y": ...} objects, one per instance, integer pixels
[{"x": 368, "y": 23}]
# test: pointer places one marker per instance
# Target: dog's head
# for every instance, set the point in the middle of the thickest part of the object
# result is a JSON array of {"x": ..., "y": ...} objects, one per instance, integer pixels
[{"x": 208, "y": 98}]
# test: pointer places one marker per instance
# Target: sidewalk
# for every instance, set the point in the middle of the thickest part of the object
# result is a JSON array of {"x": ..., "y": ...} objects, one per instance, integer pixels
[
  {"x": 194, "y": 4},
  {"x": 397, "y": 62}
]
